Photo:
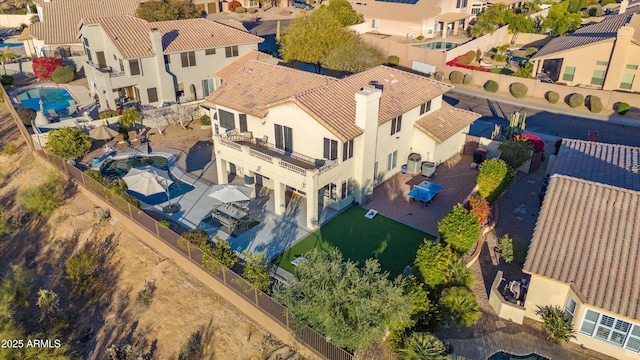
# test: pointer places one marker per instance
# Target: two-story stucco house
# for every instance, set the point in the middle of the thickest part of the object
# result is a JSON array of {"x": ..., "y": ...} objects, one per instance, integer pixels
[
  {"x": 158, "y": 62},
  {"x": 325, "y": 139}
]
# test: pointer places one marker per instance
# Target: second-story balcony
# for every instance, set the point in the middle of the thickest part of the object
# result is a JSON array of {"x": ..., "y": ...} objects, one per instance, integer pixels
[
  {"x": 106, "y": 70},
  {"x": 261, "y": 149}
]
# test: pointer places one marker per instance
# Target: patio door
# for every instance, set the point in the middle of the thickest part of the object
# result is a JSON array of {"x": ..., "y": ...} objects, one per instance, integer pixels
[
  {"x": 284, "y": 137},
  {"x": 243, "y": 122}
]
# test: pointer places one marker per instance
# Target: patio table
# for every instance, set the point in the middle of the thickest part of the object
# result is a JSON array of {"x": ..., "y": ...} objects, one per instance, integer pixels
[
  {"x": 425, "y": 192},
  {"x": 232, "y": 212}
]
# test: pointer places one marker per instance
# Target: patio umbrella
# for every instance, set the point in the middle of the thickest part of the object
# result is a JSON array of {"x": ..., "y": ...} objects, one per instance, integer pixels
[
  {"x": 103, "y": 132},
  {"x": 147, "y": 180},
  {"x": 231, "y": 193}
]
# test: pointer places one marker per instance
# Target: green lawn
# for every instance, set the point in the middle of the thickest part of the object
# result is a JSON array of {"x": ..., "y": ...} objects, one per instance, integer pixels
[{"x": 358, "y": 238}]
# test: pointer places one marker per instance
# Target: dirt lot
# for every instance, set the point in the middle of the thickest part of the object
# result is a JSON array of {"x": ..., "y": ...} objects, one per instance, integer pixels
[{"x": 180, "y": 306}]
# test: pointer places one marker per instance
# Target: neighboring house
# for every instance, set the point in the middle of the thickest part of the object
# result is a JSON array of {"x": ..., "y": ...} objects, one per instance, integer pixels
[
  {"x": 57, "y": 32},
  {"x": 158, "y": 62},
  {"x": 584, "y": 253},
  {"x": 604, "y": 56},
  {"x": 412, "y": 18},
  {"x": 329, "y": 140}
]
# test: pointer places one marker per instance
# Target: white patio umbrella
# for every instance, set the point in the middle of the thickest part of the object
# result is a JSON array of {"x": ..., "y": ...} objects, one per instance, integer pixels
[
  {"x": 228, "y": 193},
  {"x": 147, "y": 180}
]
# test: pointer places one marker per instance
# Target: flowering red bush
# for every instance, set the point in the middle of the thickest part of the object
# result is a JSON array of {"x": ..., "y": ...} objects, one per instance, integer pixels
[
  {"x": 234, "y": 5},
  {"x": 538, "y": 144},
  {"x": 460, "y": 62},
  {"x": 44, "y": 66},
  {"x": 479, "y": 207}
]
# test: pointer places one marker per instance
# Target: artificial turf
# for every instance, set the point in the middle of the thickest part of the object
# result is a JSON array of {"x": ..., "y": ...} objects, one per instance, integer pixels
[{"x": 358, "y": 238}]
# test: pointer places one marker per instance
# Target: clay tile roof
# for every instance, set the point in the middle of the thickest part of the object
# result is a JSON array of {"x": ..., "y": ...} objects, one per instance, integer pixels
[
  {"x": 606, "y": 30},
  {"x": 611, "y": 164},
  {"x": 423, "y": 9},
  {"x": 241, "y": 62},
  {"x": 130, "y": 35},
  {"x": 588, "y": 235},
  {"x": 61, "y": 17},
  {"x": 334, "y": 105},
  {"x": 445, "y": 122},
  {"x": 233, "y": 23},
  {"x": 257, "y": 84}
]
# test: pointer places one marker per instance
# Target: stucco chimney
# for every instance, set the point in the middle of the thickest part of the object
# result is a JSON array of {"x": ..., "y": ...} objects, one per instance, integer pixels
[
  {"x": 163, "y": 80},
  {"x": 367, "y": 111},
  {"x": 623, "y": 6}
]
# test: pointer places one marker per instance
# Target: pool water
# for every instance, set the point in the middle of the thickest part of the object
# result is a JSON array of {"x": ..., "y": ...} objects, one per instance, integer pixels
[
  {"x": 10, "y": 45},
  {"x": 57, "y": 99},
  {"x": 119, "y": 168},
  {"x": 506, "y": 356},
  {"x": 438, "y": 45}
]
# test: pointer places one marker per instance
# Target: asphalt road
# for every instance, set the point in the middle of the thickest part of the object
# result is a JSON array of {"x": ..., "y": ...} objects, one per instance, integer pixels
[{"x": 540, "y": 120}]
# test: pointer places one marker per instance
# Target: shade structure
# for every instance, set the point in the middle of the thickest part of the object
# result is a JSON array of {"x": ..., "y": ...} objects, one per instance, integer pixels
[
  {"x": 228, "y": 193},
  {"x": 103, "y": 133},
  {"x": 147, "y": 180}
]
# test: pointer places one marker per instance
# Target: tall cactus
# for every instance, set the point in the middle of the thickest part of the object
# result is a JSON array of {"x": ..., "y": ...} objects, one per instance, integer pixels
[
  {"x": 278, "y": 31},
  {"x": 517, "y": 124}
]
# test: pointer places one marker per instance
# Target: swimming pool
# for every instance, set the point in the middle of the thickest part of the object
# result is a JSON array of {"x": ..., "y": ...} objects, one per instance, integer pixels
[
  {"x": 506, "y": 356},
  {"x": 54, "y": 98},
  {"x": 10, "y": 45},
  {"x": 438, "y": 45},
  {"x": 118, "y": 168}
]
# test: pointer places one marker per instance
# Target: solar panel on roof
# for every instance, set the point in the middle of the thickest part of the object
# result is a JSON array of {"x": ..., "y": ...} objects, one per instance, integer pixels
[{"x": 412, "y": 2}]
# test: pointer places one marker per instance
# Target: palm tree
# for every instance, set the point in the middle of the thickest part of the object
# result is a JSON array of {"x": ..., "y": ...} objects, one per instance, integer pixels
[
  {"x": 556, "y": 323},
  {"x": 459, "y": 274},
  {"x": 459, "y": 304},
  {"x": 423, "y": 346},
  {"x": 6, "y": 56}
]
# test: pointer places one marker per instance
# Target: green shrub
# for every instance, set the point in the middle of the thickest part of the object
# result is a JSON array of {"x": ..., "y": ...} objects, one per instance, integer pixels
[
  {"x": 518, "y": 90},
  {"x": 515, "y": 152},
  {"x": 43, "y": 199},
  {"x": 108, "y": 114},
  {"x": 423, "y": 346},
  {"x": 420, "y": 37},
  {"x": 205, "y": 120},
  {"x": 595, "y": 104},
  {"x": 622, "y": 108},
  {"x": 499, "y": 58},
  {"x": 6, "y": 80},
  {"x": 393, "y": 60},
  {"x": 196, "y": 237},
  {"x": 432, "y": 263},
  {"x": 467, "y": 79},
  {"x": 26, "y": 115},
  {"x": 143, "y": 297},
  {"x": 83, "y": 269},
  {"x": 256, "y": 271},
  {"x": 491, "y": 86},
  {"x": 459, "y": 304},
  {"x": 439, "y": 75},
  {"x": 576, "y": 100},
  {"x": 9, "y": 149},
  {"x": 467, "y": 58},
  {"x": 165, "y": 223},
  {"x": 552, "y": 97},
  {"x": 240, "y": 10},
  {"x": 459, "y": 229},
  {"x": 531, "y": 51},
  {"x": 493, "y": 179},
  {"x": 252, "y": 10},
  {"x": 456, "y": 77},
  {"x": 505, "y": 245},
  {"x": 132, "y": 200},
  {"x": 68, "y": 143},
  {"x": 63, "y": 74},
  {"x": 556, "y": 323}
]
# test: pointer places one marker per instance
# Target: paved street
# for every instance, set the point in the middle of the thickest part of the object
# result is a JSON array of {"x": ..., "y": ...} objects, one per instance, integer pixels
[{"x": 540, "y": 120}]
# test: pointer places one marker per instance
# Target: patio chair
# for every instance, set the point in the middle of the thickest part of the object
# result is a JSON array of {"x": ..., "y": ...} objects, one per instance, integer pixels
[
  {"x": 263, "y": 141},
  {"x": 52, "y": 113}
]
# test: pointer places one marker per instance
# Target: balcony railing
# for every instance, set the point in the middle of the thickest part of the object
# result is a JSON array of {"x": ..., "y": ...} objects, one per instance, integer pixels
[
  {"x": 107, "y": 70},
  {"x": 292, "y": 161}
]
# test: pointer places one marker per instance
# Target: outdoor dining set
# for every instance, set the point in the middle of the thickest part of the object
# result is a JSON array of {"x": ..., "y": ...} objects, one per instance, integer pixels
[{"x": 232, "y": 211}]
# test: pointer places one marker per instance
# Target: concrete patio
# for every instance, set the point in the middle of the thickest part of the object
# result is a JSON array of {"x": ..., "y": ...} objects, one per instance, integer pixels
[{"x": 391, "y": 200}]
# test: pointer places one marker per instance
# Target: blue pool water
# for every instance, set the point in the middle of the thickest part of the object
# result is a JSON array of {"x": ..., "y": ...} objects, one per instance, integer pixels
[
  {"x": 119, "y": 168},
  {"x": 506, "y": 356},
  {"x": 52, "y": 98},
  {"x": 438, "y": 45},
  {"x": 10, "y": 45}
]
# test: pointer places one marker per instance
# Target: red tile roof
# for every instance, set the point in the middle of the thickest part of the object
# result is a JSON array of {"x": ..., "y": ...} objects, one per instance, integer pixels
[
  {"x": 588, "y": 235},
  {"x": 130, "y": 35}
]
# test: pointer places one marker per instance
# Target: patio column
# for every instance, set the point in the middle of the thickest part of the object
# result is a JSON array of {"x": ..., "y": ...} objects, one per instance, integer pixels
[
  {"x": 312, "y": 208},
  {"x": 250, "y": 181},
  {"x": 221, "y": 169},
  {"x": 278, "y": 197},
  {"x": 103, "y": 101}
]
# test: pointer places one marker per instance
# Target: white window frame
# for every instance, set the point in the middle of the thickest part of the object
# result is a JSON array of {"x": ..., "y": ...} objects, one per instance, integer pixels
[
  {"x": 392, "y": 160},
  {"x": 396, "y": 125},
  {"x": 570, "y": 307},
  {"x": 606, "y": 327},
  {"x": 345, "y": 190},
  {"x": 375, "y": 24}
]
